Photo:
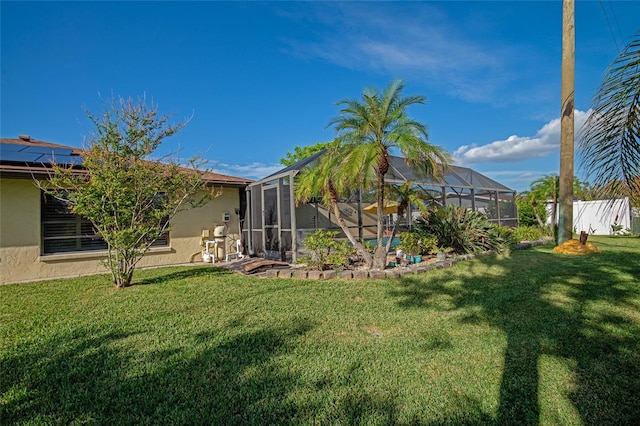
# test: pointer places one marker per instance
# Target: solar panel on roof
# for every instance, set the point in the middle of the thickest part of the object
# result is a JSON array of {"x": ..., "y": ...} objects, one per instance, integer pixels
[
  {"x": 69, "y": 160},
  {"x": 11, "y": 147},
  {"x": 48, "y": 150},
  {"x": 38, "y": 154},
  {"x": 20, "y": 156}
]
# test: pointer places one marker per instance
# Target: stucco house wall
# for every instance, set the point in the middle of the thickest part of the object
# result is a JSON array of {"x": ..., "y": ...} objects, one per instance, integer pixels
[
  {"x": 21, "y": 247},
  {"x": 20, "y": 236}
]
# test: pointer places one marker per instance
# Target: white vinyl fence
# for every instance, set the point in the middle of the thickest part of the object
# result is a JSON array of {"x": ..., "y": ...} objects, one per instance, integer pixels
[{"x": 600, "y": 217}]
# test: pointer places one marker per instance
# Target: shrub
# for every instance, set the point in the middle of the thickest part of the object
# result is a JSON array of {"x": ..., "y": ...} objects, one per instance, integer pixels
[
  {"x": 326, "y": 251},
  {"x": 526, "y": 215},
  {"x": 417, "y": 244},
  {"x": 464, "y": 230},
  {"x": 530, "y": 233},
  {"x": 506, "y": 234},
  {"x": 429, "y": 244}
]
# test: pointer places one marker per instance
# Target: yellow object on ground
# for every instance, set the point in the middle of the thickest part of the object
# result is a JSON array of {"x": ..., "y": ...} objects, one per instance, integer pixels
[{"x": 574, "y": 247}]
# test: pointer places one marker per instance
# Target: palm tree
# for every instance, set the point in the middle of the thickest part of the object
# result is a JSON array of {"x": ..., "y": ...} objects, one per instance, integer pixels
[
  {"x": 367, "y": 130},
  {"x": 567, "y": 124},
  {"x": 527, "y": 199},
  {"x": 548, "y": 188},
  {"x": 321, "y": 181},
  {"x": 407, "y": 194},
  {"x": 610, "y": 144},
  {"x": 544, "y": 189}
]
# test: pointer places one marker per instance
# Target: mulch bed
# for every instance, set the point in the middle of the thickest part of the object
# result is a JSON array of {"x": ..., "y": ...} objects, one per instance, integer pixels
[{"x": 274, "y": 268}]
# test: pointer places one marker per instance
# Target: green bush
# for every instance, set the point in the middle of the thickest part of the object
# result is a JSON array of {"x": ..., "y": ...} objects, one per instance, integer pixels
[
  {"x": 464, "y": 230},
  {"x": 531, "y": 233},
  {"x": 526, "y": 215},
  {"x": 506, "y": 234},
  {"x": 326, "y": 251},
  {"x": 414, "y": 243}
]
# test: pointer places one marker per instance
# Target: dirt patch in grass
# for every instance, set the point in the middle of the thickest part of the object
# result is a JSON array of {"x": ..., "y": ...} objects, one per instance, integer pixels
[{"x": 372, "y": 331}]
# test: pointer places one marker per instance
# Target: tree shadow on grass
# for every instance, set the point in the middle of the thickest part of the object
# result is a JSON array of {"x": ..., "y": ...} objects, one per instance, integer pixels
[
  {"x": 96, "y": 377},
  {"x": 572, "y": 309},
  {"x": 184, "y": 274}
]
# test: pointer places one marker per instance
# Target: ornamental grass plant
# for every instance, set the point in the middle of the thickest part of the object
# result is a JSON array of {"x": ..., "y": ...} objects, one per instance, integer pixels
[
  {"x": 528, "y": 338},
  {"x": 462, "y": 229}
]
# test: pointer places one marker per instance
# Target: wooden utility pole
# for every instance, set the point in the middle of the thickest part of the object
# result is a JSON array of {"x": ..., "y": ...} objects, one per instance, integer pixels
[{"x": 565, "y": 226}]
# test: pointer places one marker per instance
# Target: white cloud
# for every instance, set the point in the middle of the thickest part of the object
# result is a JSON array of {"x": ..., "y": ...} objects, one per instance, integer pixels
[
  {"x": 518, "y": 148},
  {"x": 420, "y": 41},
  {"x": 255, "y": 171}
]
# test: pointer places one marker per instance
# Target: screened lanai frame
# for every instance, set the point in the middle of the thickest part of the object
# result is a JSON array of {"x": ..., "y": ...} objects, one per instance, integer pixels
[{"x": 275, "y": 227}]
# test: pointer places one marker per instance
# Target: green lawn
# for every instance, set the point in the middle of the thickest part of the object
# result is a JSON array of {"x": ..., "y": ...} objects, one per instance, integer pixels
[{"x": 532, "y": 338}]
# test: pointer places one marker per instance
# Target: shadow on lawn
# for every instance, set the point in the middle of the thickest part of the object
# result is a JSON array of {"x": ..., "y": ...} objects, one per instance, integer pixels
[
  {"x": 78, "y": 377},
  {"x": 601, "y": 344},
  {"x": 191, "y": 272}
]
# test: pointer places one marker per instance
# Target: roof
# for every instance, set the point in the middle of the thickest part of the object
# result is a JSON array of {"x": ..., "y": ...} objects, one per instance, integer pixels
[
  {"x": 454, "y": 176},
  {"x": 299, "y": 165},
  {"x": 27, "y": 150},
  {"x": 30, "y": 157}
]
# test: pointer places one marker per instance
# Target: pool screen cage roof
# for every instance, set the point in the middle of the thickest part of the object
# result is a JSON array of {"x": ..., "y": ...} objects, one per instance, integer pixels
[{"x": 275, "y": 228}]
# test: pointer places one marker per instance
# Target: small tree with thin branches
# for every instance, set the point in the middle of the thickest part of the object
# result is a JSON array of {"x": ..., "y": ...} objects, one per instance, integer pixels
[{"x": 129, "y": 197}]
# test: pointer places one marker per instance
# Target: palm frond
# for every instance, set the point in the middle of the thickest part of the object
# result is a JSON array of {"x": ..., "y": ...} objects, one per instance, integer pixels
[{"x": 610, "y": 143}]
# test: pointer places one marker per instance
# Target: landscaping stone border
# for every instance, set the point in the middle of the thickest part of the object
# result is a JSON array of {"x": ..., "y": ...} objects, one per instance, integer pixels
[{"x": 387, "y": 273}]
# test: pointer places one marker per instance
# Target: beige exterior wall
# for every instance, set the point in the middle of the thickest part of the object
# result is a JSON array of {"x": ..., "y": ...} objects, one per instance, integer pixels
[{"x": 20, "y": 259}]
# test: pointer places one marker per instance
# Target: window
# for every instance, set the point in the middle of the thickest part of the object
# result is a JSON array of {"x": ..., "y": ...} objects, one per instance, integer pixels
[{"x": 63, "y": 231}]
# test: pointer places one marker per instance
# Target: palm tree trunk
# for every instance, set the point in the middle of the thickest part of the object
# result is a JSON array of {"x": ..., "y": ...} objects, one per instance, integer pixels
[
  {"x": 380, "y": 255},
  {"x": 565, "y": 228},
  {"x": 536, "y": 215},
  {"x": 401, "y": 210},
  {"x": 362, "y": 251}
]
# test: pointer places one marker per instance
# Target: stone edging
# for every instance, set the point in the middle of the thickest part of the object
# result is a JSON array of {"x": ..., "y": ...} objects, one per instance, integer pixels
[{"x": 387, "y": 273}]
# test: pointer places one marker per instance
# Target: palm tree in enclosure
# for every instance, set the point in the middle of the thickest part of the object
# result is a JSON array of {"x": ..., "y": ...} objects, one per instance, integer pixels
[
  {"x": 367, "y": 130},
  {"x": 547, "y": 188},
  {"x": 542, "y": 190},
  {"x": 610, "y": 144}
]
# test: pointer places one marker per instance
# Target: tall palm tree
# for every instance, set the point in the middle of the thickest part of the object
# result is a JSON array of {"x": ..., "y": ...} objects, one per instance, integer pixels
[
  {"x": 610, "y": 144},
  {"x": 367, "y": 130}
]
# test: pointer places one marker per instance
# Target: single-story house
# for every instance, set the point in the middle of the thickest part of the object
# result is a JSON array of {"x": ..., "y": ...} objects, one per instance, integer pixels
[{"x": 40, "y": 240}]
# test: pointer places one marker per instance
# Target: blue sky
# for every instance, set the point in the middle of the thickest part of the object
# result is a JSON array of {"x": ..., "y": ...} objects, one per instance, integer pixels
[{"x": 258, "y": 78}]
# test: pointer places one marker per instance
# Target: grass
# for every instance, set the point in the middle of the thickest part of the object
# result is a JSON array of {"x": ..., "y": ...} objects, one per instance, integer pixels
[{"x": 532, "y": 338}]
